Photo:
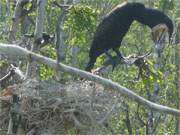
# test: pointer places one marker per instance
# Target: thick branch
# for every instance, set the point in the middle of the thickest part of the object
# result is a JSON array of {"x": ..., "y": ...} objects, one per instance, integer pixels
[{"x": 16, "y": 50}]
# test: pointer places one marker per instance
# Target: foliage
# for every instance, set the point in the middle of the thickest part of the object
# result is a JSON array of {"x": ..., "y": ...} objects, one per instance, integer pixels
[
  {"x": 81, "y": 21},
  {"x": 44, "y": 71}
]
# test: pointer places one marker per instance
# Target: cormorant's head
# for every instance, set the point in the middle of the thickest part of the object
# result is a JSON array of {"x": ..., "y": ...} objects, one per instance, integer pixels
[{"x": 170, "y": 26}]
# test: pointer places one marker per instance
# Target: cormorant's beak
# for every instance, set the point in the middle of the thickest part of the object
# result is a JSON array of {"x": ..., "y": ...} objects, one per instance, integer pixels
[{"x": 170, "y": 38}]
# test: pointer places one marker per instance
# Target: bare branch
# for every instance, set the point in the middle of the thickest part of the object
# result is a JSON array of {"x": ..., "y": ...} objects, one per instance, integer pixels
[
  {"x": 14, "y": 50},
  {"x": 12, "y": 71}
]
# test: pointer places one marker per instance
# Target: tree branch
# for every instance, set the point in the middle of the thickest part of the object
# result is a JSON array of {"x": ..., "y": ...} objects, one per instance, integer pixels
[{"x": 15, "y": 51}]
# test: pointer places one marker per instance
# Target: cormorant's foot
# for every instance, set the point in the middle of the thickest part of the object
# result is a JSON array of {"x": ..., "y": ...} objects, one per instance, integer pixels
[{"x": 114, "y": 61}]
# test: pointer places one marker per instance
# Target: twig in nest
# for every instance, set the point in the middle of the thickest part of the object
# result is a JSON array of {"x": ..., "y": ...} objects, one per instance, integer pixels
[
  {"x": 93, "y": 95},
  {"x": 108, "y": 113},
  {"x": 15, "y": 117},
  {"x": 18, "y": 71},
  {"x": 7, "y": 92},
  {"x": 33, "y": 131},
  {"x": 12, "y": 71},
  {"x": 5, "y": 98},
  {"x": 78, "y": 123}
]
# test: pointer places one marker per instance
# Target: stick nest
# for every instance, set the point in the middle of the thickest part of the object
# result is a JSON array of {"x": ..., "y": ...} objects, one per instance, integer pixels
[{"x": 48, "y": 106}]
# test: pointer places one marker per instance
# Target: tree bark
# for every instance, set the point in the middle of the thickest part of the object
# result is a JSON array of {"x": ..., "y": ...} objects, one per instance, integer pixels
[
  {"x": 18, "y": 13},
  {"x": 31, "y": 67},
  {"x": 60, "y": 37}
]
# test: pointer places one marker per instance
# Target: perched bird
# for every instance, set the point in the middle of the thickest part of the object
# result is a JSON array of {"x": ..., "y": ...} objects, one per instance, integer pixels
[
  {"x": 45, "y": 39},
  {"x": 112, "y": 29},
  {"x": 116, "y": 23}
]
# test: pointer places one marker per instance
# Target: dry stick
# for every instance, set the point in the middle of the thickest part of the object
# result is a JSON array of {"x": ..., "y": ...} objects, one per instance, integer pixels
[
  {"x": 7, "y": 76},
  {"x": 78, "y": 123},
  {"x": 108, "y": 113},
  {"x": 14, "y": 116},
  {"x": 12, "y": 71},
  {"x": 14, "y": 50}
]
